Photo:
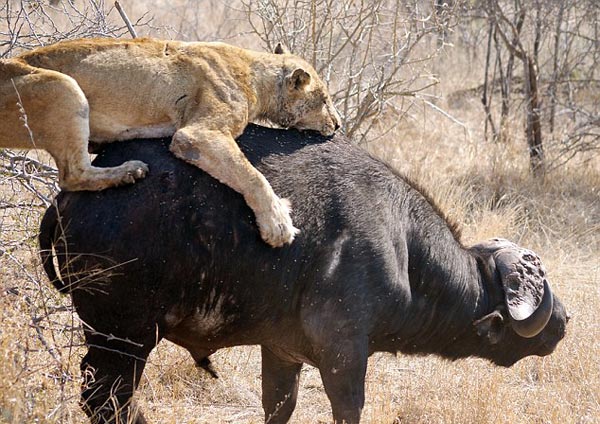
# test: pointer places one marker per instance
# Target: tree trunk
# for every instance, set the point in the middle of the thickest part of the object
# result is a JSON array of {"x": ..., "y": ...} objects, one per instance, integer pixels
[
  {"x": 484, "y": 96},
  {"x": 507, "y": 80},
  {"x": 555, "y": 73},
  {"x": 533, "y": 125}
]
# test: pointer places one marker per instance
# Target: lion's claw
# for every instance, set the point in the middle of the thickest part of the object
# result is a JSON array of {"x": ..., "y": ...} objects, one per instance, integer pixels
[{"x": 275, "y": 226}]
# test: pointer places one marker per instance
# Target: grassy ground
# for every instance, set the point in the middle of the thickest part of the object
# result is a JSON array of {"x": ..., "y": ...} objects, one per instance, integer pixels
[{"x": 486, "y": 187}]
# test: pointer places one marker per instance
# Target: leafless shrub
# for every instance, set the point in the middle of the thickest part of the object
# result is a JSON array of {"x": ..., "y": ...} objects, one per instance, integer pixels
[
  {"x": 580, "y": 134},
  {"x": 557, "y": 42},
  {"x": 41, "y": 344},
  {"x": 370, "y": 53},
  {"x": 26, "y": 24}
]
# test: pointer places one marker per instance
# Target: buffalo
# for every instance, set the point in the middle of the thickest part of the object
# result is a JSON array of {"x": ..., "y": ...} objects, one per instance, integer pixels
[{"x": 376, "y": 267}]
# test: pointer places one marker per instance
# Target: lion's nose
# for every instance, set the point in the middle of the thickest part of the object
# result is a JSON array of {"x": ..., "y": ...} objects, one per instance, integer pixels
[{"x": 337, "y": 125}]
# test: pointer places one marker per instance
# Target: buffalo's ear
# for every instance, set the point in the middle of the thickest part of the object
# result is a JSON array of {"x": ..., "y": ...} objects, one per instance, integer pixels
[
  {"x": 298, "y": 80},
  {"x": 491, "y": 327},
  {"x": 280, "y": 49}
]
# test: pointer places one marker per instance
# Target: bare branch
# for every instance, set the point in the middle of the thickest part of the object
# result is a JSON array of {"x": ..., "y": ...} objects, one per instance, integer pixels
[
  {"x": 126, "y": 19},
  {"x": 368, "y": 52}
]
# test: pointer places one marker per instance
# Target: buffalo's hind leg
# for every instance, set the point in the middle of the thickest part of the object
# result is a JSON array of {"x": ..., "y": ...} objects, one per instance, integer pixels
[
  {"x": 280, "y": 380},
  {"x": 111, "y": 373}
]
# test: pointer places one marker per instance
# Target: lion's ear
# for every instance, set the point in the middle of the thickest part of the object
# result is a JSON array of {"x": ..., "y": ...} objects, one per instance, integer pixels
[
  {"x": 280, "y": 49},
  {"x": 298, "y": 80}
]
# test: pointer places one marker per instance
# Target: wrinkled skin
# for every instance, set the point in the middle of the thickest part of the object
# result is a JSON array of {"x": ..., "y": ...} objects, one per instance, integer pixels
[{"x": 375, "y": 268}]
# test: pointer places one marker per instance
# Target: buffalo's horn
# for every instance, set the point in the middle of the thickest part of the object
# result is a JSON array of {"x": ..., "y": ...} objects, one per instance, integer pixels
[
  {"x": 527, "y": 294},
  {"x": 533, "y": 324}
]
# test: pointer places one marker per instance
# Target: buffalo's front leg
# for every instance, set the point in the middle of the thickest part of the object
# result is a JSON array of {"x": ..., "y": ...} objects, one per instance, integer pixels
[
  {"x": 280, "y": 381},
  {"x": 343, "y": 367},
  {"x": 111, "y": 373}
]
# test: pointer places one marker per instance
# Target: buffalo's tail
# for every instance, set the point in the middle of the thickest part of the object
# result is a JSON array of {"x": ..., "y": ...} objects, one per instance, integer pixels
[{"x": 46, "y": 238}]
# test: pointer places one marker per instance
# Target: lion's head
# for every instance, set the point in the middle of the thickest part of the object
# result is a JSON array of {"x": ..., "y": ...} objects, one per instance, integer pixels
[{"x": 305, "y": 103}]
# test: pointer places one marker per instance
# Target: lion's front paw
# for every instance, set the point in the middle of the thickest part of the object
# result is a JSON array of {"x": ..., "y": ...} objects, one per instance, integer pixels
[
  {"x": 275, "y": 225},
  {"x": 134, "y": 170}
]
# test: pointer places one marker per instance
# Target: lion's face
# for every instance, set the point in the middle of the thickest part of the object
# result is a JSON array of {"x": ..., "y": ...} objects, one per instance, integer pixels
[{"x": 306, "y": 104}]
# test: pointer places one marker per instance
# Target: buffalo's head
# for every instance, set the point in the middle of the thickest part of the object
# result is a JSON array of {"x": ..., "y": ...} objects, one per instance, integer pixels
[{"x": 525, "y": 317}]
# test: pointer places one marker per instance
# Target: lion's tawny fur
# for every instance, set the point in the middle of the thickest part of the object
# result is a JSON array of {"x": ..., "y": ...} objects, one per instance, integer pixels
[{"x": 204, "y": 94}]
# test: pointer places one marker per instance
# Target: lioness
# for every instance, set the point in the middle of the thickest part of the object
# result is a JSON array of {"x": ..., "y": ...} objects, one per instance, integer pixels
[{"x": 204, "y": 94}]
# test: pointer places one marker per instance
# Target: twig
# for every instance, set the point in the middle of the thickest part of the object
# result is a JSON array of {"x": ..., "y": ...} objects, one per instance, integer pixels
[
  {"x": 23, "y": 116},
  {"x": 450, "y": 117},
  {"x": 126, "y": 19}
]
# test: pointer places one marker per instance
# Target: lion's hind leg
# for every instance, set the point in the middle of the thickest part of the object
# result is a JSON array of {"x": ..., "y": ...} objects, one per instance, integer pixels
[
  {"x": 76, "y": 172},
  {"x": 64, "y": 132}
]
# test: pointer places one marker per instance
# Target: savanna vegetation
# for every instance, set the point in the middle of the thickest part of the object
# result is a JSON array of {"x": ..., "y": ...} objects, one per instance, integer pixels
[{"x": 492, "y": 105}]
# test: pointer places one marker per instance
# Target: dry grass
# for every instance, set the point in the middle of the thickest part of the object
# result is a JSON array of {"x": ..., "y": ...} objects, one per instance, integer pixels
[{"x": 486, "y": 187}]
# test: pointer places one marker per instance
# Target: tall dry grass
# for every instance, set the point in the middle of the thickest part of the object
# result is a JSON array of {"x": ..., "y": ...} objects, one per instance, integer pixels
[{"x": 483, "y": 186}]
